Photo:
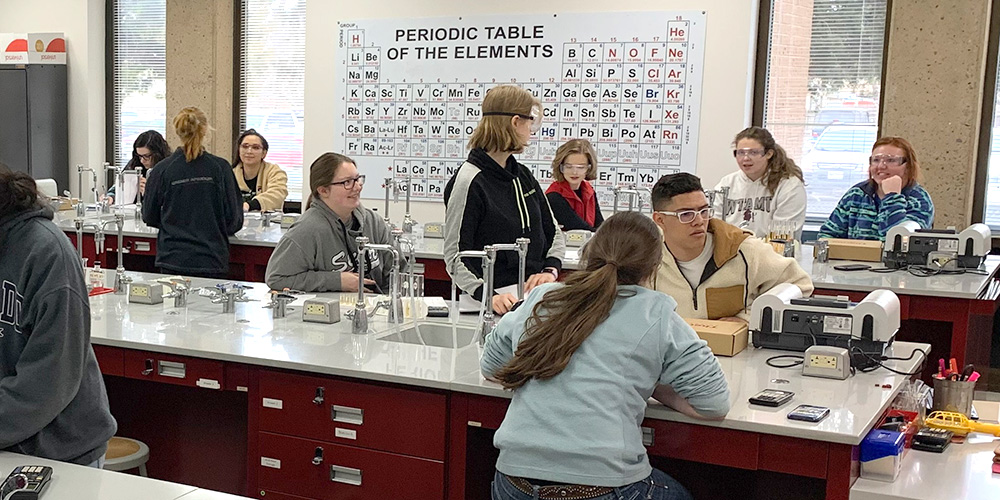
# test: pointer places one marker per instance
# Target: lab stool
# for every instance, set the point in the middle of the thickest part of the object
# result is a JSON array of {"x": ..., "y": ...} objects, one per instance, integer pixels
[{"x": 126, "y": 454}]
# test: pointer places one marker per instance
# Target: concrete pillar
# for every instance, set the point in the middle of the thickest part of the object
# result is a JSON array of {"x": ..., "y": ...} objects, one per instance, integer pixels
[
  {"x": 200, "y": 67},
  {"x": 934, "y": 76}
]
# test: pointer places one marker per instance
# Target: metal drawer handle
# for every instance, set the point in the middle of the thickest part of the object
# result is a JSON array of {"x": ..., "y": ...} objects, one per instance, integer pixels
[
  {"x": 171, "y": 369},
  {"x": 347, "y": 415},
  {"x": 648, "y": 436},
  {"x": 318, "y": 400},
  {"x": 345, "y": 475},
  {"x": 318, "y": 457},
  {"x": 149, "y": 367}
]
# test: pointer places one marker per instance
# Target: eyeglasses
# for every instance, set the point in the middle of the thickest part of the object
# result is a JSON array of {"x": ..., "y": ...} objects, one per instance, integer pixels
[
  {"x": 749, "y": 153},
  {"x": 146, "y": 157},
  {"x": 570, "y": 167},
  {"x": 889, "y": 161},
  {"x": 349, "y": 183},
  {"x": 251, "y": 147},
  {"x": 687, "y": 216}
]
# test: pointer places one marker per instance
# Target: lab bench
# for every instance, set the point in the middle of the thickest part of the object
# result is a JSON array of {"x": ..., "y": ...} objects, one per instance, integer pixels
[{"x": 278, "y": 408}]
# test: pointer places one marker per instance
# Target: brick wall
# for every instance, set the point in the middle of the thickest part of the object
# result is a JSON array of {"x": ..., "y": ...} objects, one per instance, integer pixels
[{"x": 788, "y": 85}]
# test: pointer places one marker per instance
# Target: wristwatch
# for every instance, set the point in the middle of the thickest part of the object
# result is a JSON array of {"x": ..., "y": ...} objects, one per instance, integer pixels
[{"x": 553, "y": 271}]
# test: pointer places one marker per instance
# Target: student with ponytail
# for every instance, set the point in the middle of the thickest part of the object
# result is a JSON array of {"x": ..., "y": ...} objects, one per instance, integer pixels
[
  {"x": 767, "y": 188},
  {"x": 582, "y": 358},
  {"x": 191, "y": 196}
]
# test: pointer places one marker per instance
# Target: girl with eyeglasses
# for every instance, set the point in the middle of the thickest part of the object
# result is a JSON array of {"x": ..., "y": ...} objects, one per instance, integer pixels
[
  {"x": 320, "y": 252},
  {"x": 148, "y": 149},
  {"x": 573, "y": 200},
  {"x": 767, "y": 190},
  {"x": 582, "y": 358},
  {"x": 494, "y": 199},
  {"x": 264, "y": 185},
  {"x": 191, "y": 197},
  {"x": 890, "y": 196}
]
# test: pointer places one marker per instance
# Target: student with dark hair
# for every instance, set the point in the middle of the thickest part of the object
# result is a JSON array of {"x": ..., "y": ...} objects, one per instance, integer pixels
[
  {"x": 712, "y": 269},
  {"x": 589, "y": 353},
  {"x": 192, "y": 198},
  {"x": 148, "y": 149},
  {"x": 52, "y": 398},
  {"x": 767, "y": 188},
  {"x": 493, "y": 199},
  {"x": 572, "y": 198},
  {"x": 320, "y": 253},
  {"x": 892, "y": 194},
  {"x": 264, "y": 185}
]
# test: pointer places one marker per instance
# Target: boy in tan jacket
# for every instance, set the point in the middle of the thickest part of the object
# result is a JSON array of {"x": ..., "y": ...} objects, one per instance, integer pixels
[{"x": 712, "y": 269}]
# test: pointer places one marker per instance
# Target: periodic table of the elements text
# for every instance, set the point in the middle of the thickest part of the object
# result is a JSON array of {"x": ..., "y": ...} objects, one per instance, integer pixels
[{"x": 410, "y": 90}]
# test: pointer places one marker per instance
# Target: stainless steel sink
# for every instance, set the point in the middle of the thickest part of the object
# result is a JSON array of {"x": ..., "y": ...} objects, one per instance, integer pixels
[{"x": 434, "y": 334}]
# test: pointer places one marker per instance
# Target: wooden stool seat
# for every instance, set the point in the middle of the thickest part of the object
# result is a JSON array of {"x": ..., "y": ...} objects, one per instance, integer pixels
[{"x": 125, "y": 454}]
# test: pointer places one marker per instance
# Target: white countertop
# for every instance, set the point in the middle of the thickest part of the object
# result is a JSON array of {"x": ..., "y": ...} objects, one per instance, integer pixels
[
  {"x": 252, "y": 234},
  {"x": 251, "y": 336},
  {"x": 964, "y": 286},
  {"x": 963, "y": 471},
  {"x": 77, "y": 481}
]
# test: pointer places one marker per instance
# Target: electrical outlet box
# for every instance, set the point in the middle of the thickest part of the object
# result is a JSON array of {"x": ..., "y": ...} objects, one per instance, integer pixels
[
  {"x": 434, "y": 230},
  {"x": 145, "y": 293},
  {"x": 826, "y": 362},
  {"x": 321, "y": 310}
]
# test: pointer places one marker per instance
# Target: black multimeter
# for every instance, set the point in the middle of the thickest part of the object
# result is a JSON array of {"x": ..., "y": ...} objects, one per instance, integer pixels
[{"x": 25, "y": 482}]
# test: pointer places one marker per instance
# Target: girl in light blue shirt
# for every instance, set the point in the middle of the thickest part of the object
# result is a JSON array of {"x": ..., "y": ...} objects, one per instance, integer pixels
[{"x": 589, "y": 353}]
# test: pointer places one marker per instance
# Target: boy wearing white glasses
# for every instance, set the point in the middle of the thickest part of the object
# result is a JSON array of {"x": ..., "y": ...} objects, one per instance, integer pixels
[{"x": 712, "y": 269}]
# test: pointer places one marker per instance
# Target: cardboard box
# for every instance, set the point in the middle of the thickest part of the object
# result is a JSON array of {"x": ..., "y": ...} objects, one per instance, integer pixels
[
  {"x": 844, "y": 249},
  {"x": 725, "y": 338},
  {"x": 62, "y": 203}
]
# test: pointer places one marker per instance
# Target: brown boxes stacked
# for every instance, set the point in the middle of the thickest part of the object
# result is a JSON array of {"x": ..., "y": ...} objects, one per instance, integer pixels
[
  {"x": 725, "y": 338},
  {"x": 843, "y": 249}
]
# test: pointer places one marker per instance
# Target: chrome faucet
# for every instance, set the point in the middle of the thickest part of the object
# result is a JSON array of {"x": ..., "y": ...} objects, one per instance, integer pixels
[
  {"x": 82, "y": 224},
  {"x": 521, "y": 247},
  {"x": 120, "y": 279},
  {"x": 395, "y": 303},
  {"x": 408, "y": 221},
  {"x": 359, "y": 320},
  {"x": 487, "y": 320},
  {"x": 80, "y": 169},
  {"x": 179, "y": 292},
  {"x": 279, "y": 304},
  {"x": 391, "y": 189},
  {"x": 228, "y": 295}
]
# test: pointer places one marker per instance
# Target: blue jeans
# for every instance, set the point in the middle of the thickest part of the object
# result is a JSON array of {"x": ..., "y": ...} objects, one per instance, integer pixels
[{"x": 658, "y": 486}]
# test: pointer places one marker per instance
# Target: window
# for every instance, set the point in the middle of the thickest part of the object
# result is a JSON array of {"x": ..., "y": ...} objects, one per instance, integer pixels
[
  {"x": 821, "y": 90},
  {"x": 138, "y": 68},
  {"x": 272, "y": 81},
  {"x": 992, "y": 205}
]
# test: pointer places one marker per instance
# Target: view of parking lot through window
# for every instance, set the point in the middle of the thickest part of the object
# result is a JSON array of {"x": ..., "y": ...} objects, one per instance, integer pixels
[
  {"x": 821, "y": 103},
  {"x": 272, "y": 94}
]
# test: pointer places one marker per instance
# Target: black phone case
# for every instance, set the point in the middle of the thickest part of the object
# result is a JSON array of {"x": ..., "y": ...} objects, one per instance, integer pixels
[
  {"x": 764, "y": 399},
  {"x": 807, "y": 417}
]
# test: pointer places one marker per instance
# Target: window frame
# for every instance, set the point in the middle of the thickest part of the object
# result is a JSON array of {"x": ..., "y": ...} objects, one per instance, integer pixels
[
  {"x": 983, "y": 149},
  {"x": 763, "y": 47}
]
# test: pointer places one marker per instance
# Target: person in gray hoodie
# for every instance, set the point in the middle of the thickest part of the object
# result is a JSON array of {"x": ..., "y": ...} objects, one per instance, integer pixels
[
  {"x": 52, "y": 398},
  {"x": 319, "y": 253}
]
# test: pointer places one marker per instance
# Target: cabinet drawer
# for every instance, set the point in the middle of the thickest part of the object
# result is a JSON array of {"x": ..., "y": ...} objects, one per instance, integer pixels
[
  {"x": 110, "y": 359},
  {"x": 701, "y": 443},
  {"x": 315, "y": 469},
  {"x": 355, "y": 414},
  {"x": 177, "y": 370}
]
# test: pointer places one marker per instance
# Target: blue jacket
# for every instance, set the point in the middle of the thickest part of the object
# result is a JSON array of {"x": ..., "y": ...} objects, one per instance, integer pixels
[{"x": 861, "y": 215}]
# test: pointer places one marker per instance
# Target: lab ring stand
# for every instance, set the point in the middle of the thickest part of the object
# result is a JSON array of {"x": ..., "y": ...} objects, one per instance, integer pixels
[{"x": 126, "y": 454}]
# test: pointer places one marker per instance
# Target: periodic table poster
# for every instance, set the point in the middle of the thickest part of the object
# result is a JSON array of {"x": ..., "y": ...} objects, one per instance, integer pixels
[{"x": 410, "y": 90}]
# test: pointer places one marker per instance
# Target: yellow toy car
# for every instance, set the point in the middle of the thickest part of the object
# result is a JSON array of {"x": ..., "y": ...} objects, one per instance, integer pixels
[{"x": 959, "y": 423}]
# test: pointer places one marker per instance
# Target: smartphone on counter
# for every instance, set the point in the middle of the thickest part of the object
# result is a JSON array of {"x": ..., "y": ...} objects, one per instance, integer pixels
[
  {"x": 771, "y": 397},
  {"x": 852, "y": 267},
  {"x": 809, "y": 413}
]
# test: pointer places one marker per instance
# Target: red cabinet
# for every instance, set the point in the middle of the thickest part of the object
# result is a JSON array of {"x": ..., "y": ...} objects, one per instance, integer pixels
[
  {"x": 365, "y": 415},
  {"x": 110, "y": 359},
  {"x": 699, "y": 443},
  {"x": 321, "y": 470},
  {"x": 177, "y": 370}
]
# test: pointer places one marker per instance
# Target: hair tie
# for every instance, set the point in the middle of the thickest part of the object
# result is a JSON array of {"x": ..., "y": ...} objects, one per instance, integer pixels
[{"x": 611, "y": 263}]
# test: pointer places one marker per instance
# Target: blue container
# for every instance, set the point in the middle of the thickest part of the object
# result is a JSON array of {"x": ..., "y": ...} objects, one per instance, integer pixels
[{"x": 879, "y": 443}]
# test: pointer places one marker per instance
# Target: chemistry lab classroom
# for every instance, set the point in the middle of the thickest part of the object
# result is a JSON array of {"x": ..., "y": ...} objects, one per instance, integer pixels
[{"x": 308, "y": 249}]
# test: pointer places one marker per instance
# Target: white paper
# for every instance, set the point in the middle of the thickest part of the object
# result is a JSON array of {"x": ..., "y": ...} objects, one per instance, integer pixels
[{"x": 128, "y": 190}]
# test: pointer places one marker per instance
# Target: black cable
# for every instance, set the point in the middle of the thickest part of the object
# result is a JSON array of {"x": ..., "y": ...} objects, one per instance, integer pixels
[
  {"x": 793, "y": 364},
  {"x": 877, "y": 362}
]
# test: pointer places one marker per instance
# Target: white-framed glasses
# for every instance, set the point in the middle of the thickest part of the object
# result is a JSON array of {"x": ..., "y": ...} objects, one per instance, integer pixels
[
  {"x": 574, "y": 167},
  {"x": 688, "y": 216},
  {"x": 888, "y": 160}
]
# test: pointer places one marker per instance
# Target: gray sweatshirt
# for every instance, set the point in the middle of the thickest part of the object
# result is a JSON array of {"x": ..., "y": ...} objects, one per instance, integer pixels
[
  {"x": 52, "y": 398},
  {"x": 319, "y": 246}
]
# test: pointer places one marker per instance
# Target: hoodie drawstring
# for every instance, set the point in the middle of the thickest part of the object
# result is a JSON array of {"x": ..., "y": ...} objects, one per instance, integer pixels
[{"x": 522, "y": 206}]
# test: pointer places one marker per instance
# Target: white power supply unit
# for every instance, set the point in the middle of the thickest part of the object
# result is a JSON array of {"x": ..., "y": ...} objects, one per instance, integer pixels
[{"x": 826, "y": 362}]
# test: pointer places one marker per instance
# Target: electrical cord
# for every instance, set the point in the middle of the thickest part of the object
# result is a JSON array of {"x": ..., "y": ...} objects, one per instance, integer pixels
[
  {"x": 877, "y": 362},
  {"x": 797, "y": 360}
]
